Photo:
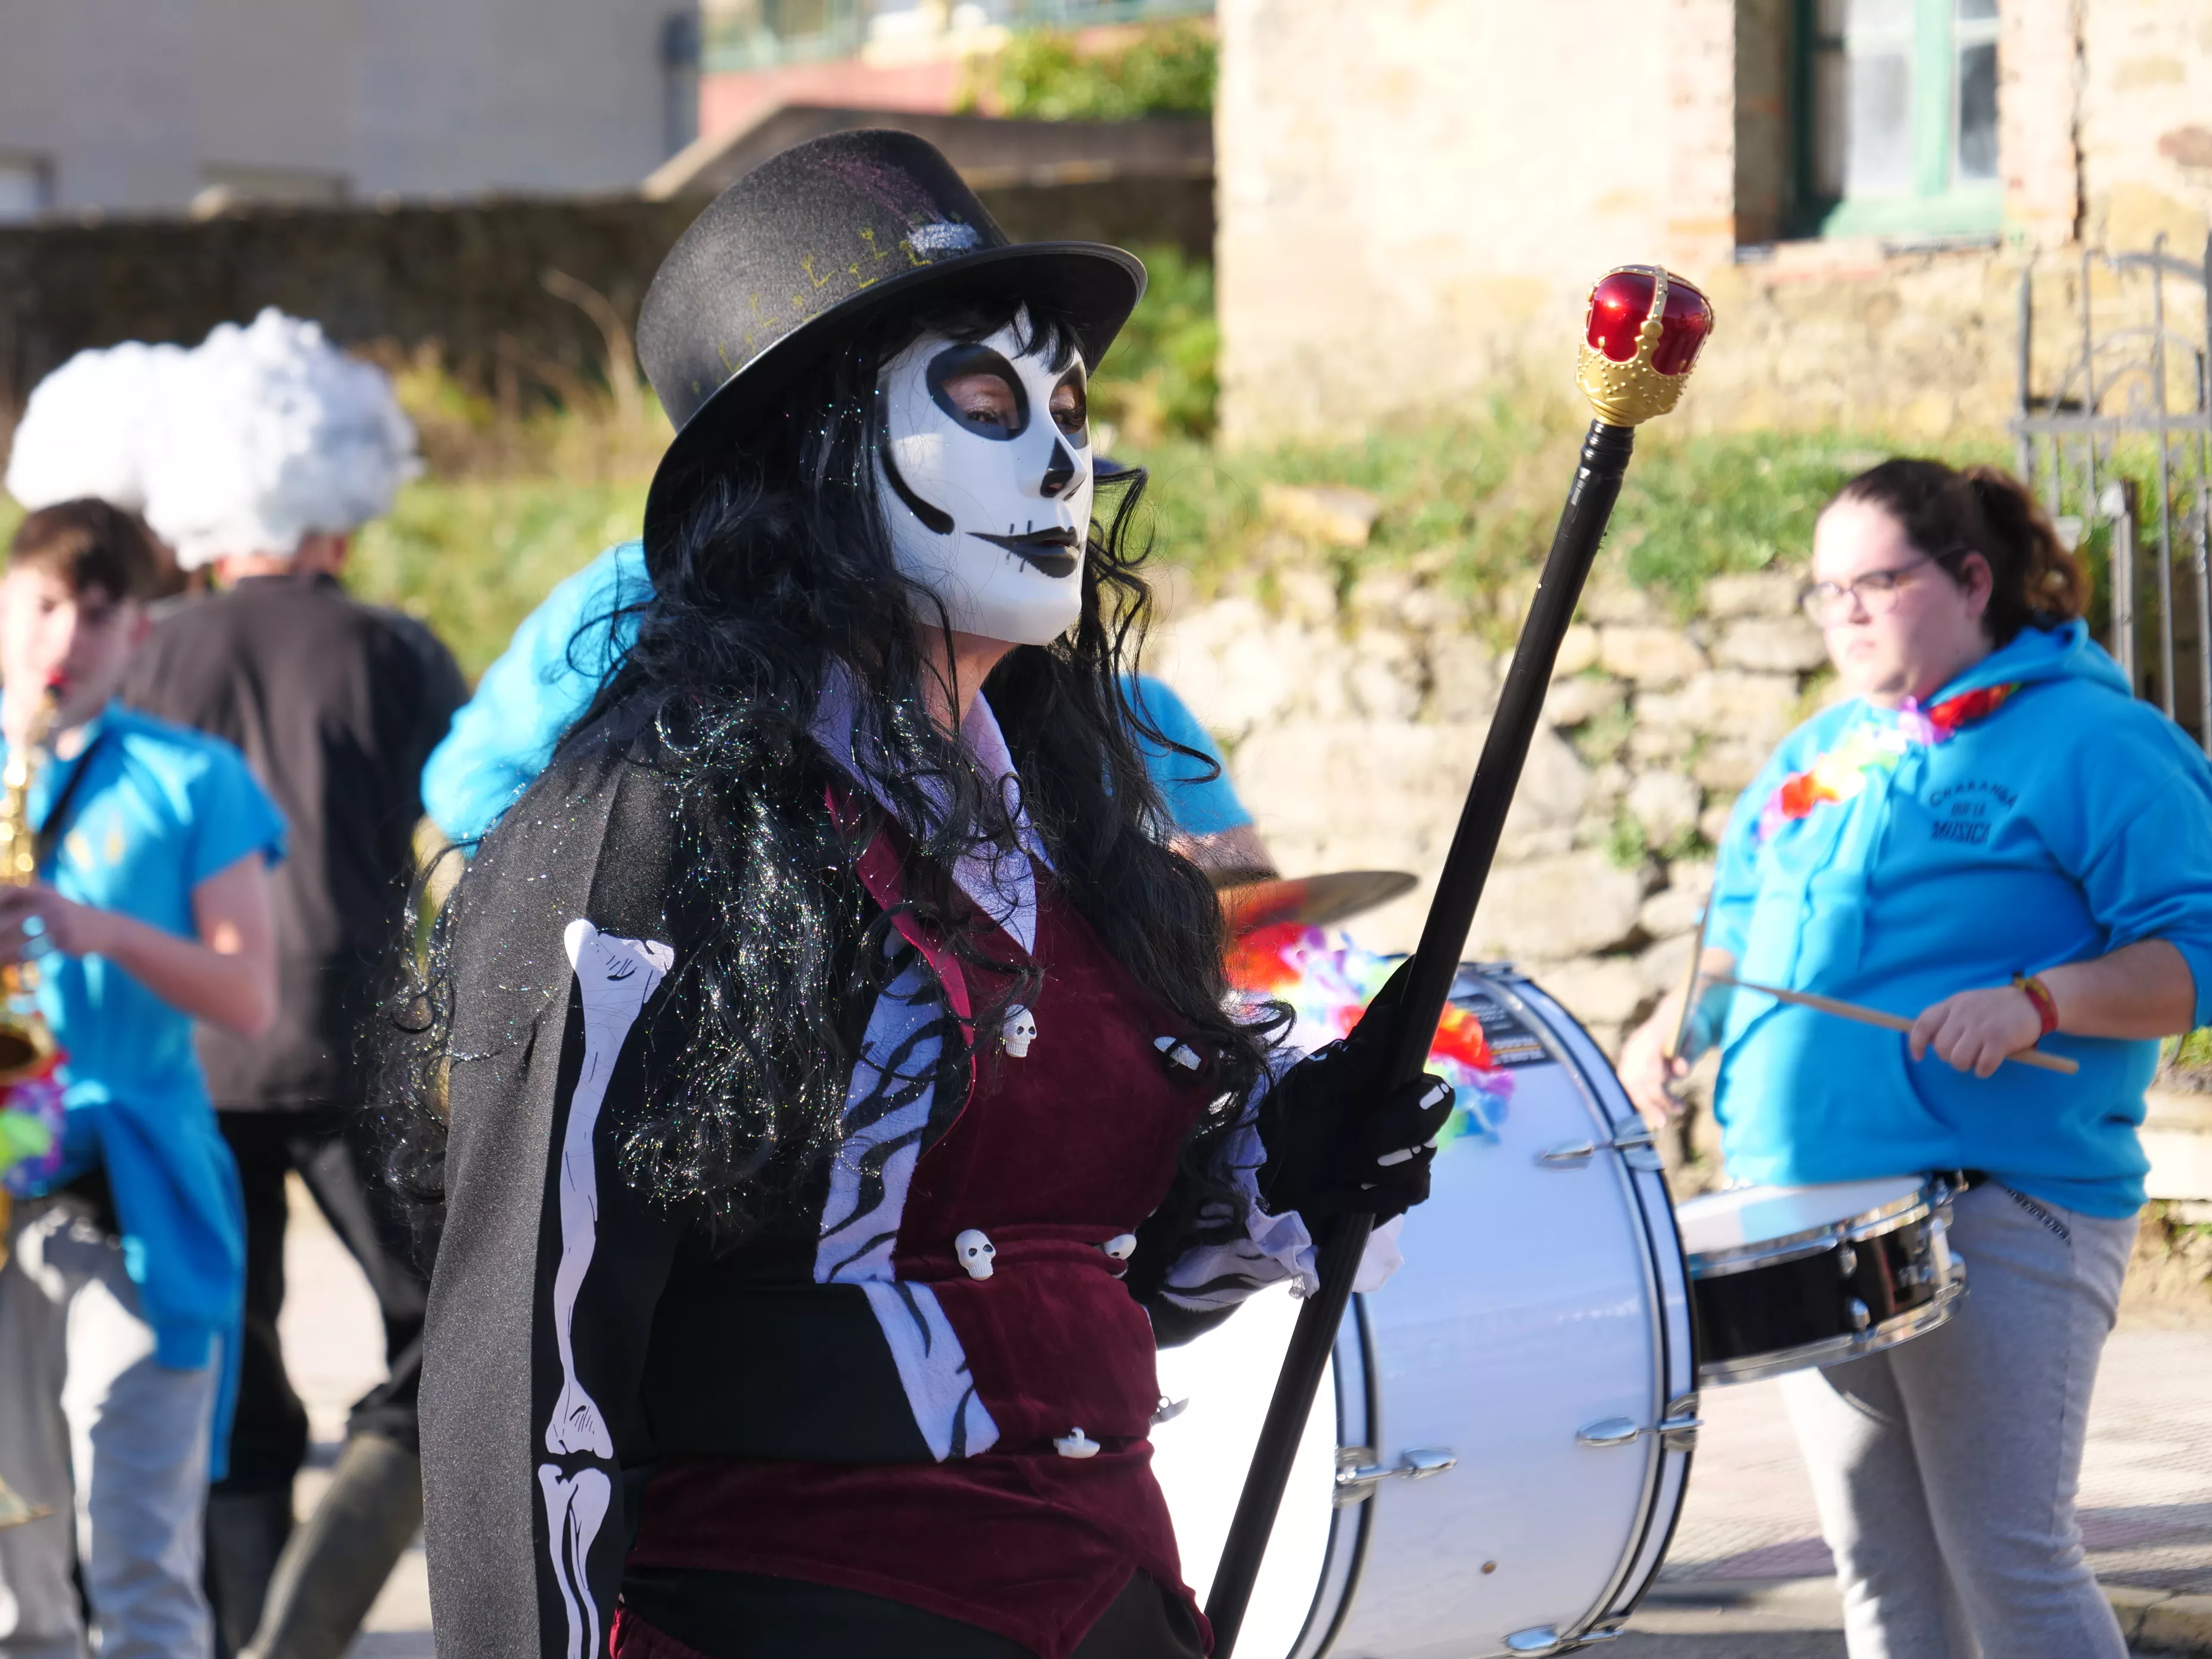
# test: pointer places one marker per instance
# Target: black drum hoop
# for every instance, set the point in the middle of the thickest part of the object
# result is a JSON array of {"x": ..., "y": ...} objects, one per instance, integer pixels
[
  {"x": 1898, "y": 1213},
  {"x": 1361, "y": 1333},
  {"x": 1856, "y": 1345}
]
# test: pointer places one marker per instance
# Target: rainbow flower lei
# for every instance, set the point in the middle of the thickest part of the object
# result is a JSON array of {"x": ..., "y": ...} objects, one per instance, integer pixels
[
  {"x": 32, "y": 1113},
  {"x": 1328, "y": 984},
  {"x": 1841, "y": 775}
]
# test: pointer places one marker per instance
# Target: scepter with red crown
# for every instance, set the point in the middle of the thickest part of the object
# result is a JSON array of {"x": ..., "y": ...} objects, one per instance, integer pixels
[{"x": 1641, "y": 337}]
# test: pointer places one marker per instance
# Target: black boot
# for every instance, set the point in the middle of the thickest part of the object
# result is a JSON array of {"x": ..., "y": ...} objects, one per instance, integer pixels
[
  {"x": 246, "y": 1533},
  {"x": 339, "y": 1558}
]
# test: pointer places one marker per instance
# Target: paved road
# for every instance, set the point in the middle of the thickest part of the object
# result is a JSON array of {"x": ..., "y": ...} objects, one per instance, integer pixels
[
  {"x": 1746, "y": 1530},
  {"x": 2146, "y": 1476},
  {"x": 1803, "y": 1625}
]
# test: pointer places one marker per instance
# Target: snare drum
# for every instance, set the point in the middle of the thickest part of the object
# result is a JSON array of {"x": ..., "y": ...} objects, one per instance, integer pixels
[
  {"x": 1496, "y": 1464},
  {"x": 1789, "y": 1277}
]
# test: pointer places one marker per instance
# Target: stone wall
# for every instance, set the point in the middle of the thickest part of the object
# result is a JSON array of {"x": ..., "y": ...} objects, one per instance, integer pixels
[
  {"x": 468, "y": 275},
  {"x": 1353, "y": 721},
  {"x": 1415, "y": 198}
]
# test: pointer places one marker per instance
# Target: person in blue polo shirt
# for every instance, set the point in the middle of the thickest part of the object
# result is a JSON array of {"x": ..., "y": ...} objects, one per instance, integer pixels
[
  {"x": 566, "y": 648},
  {"x": 120, "y": 1298}
]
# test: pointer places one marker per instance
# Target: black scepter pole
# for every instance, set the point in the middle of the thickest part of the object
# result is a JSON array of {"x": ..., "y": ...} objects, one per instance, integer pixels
[{"x": 1655, "y": 323}]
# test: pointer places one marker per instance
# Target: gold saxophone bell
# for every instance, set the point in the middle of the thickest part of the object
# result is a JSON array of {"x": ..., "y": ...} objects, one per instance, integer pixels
[{"x": 27, "y": 1045}]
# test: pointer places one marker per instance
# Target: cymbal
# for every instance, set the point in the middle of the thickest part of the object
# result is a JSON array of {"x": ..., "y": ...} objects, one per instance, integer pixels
[{"x": 1316, "y": 900}]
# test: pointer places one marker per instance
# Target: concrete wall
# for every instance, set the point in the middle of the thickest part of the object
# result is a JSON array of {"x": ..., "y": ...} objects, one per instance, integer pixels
[
  {"x": 1415, "y": 199},
  {"x": 139, "y": 108}
]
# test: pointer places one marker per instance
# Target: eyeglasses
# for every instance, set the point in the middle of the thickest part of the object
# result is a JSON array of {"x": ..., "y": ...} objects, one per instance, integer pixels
[{"x": 1826, "y": 602}]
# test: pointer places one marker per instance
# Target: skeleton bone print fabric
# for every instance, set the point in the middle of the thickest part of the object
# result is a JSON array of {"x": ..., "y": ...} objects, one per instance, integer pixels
[
  {"x": 615, "y": 978},
  {"x": 886, "y": 1117}
]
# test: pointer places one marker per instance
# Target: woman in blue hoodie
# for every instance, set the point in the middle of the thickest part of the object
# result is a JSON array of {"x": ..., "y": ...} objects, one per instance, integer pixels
[{"x": 1994, "y": 838}]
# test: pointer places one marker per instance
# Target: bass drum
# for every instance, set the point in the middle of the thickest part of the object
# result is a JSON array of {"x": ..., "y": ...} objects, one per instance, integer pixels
[{"x": 1497, "y": 1458}]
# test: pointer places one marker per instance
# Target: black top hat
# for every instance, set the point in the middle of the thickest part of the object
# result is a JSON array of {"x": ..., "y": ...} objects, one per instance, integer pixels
[{"x": 826, "y": 234}]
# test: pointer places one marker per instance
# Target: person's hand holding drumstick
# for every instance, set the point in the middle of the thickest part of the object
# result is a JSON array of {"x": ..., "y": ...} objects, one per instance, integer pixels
[
  {"x": 2141, "y": 990},
  {"x": 1653, "y": 1061}
]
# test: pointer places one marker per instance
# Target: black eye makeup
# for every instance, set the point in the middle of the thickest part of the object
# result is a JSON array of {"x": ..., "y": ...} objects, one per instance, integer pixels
[
  {"x": 1071, "y": 407},
  {"x": 980, "y": 390}
]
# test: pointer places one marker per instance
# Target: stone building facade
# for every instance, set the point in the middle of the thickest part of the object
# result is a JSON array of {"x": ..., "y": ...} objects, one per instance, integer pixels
[{"x": 1414, "y": 196}]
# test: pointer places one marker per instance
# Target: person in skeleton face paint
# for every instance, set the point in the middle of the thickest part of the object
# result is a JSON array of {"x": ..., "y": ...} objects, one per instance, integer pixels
[
  {"x": 822, "y": 1070},
  {"x": 979, "y": 435}
]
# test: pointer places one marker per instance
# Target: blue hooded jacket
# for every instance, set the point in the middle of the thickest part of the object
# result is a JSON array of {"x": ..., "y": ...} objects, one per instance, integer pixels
[
  {"x": 552, "y": 667},
  {"x": 2070, "y": 822}
]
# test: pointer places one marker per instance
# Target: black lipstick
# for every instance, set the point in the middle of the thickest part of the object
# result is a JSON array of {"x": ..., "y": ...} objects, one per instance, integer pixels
[{"x": 1052, "y": 551}]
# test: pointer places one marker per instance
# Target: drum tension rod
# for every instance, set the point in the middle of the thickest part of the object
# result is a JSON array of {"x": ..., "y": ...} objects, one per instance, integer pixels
[
  {"x": 1677, "y": 1430},
  {"x": 1634, "y": 1144},
  {"x": 1545, "y": 1639},
  {"x": 1357, "y": 1478}
]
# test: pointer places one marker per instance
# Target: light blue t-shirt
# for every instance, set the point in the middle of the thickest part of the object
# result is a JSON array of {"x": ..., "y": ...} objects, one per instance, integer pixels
[
  {"x": 162, "y": 809},
  {"x": 555, "y": 664},
  {"x": 2071, "y": 821}
]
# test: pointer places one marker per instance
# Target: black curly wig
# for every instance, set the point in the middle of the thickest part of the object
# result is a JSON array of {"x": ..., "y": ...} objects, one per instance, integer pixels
[{"x": 780, "y": 580}]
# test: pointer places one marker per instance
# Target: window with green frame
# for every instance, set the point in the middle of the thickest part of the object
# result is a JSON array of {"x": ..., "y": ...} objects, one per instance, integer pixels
[{"x": 1897, "y": 118}]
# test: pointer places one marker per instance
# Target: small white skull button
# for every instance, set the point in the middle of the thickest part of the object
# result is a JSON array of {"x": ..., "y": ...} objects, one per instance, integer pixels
[
  {"x": 1019, "y": 1031},
  {"x": 1120, "y": 1247},
  {"x": 976, "y": 1252},
  {"x": 1076, "y": 1444}
]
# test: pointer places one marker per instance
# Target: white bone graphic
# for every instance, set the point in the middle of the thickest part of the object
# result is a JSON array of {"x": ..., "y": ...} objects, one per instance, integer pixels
[
  {"x": 574, "y": 1510},
  {"x": 614, "y": 978}
]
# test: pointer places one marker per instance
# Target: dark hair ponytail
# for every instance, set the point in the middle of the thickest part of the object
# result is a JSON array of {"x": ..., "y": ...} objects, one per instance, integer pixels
[{"x": 1949, "y": 514}]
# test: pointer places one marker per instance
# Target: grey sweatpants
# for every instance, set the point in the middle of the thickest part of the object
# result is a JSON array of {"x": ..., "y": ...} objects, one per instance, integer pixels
[
  {"x": 90, "y": 1427},
  {"x": 1945, "y": 1469}
]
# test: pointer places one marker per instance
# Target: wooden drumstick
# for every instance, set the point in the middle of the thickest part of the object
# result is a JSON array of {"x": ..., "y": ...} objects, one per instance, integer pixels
[
  {"x": 1888, "y": 1021},
  {"x": 1673, "y": 1048}
]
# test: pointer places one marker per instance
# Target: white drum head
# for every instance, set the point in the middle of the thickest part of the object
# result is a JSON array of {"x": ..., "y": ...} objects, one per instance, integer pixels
[
  {"x": 1502, "y": 1396},
  {"x": 1743, "y": 1216},
  {"x": 1201, "y": 1456}
]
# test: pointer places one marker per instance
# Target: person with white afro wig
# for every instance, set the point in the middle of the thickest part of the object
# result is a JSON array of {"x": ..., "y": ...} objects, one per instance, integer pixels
[
  {"x": 86, "y": 431},
  {"x": 275, "y": 447},
  {"x": 271, "y": 437}
]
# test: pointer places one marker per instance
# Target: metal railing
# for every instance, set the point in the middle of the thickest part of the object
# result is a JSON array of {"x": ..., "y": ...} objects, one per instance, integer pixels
[
  {"x": 842, "y": 28},
  {"x": 2131, "y": 408}
]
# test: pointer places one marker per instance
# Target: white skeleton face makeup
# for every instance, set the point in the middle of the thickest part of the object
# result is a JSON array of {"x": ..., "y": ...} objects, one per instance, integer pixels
[{"x": 986, "y": 482}]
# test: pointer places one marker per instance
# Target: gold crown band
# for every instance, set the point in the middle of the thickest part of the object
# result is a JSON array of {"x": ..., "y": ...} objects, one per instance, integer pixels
[{"x": 1631, "y": 394}]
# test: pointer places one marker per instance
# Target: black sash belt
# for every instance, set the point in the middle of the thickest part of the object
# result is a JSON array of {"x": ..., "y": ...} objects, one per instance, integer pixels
[{"x": 801, "y": 1372}]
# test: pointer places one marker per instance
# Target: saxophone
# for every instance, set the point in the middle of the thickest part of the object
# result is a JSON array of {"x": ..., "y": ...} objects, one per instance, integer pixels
[
  {"x": 27, "y": 1047},
  {"x": 28, "y": 1050}
]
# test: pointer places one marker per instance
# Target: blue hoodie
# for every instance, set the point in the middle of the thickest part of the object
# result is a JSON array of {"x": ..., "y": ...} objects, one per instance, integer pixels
[
  {"x": 2070, "y": 822},
  {"x": 552, "y": 668}
]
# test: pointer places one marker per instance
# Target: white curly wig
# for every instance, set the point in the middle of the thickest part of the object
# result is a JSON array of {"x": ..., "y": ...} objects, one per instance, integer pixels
[
  {"x": 87, "y": 426},
  {"x": 270, "y": 433}
]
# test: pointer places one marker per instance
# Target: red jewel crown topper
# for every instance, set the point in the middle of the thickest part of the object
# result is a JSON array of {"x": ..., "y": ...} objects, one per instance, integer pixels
[{"x": 1645, "y": 328}]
